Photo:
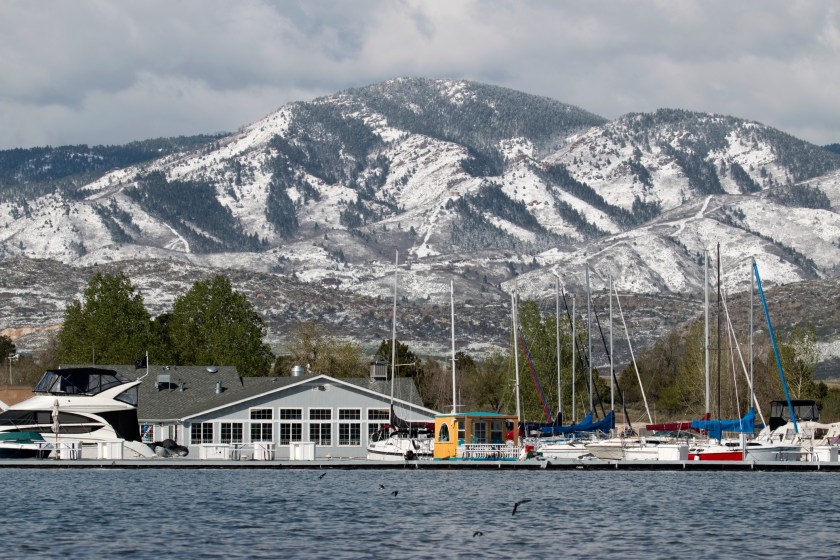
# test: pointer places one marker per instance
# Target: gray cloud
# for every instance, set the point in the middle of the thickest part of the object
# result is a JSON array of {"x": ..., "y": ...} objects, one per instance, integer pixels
[{"x": 97, "y": 71}]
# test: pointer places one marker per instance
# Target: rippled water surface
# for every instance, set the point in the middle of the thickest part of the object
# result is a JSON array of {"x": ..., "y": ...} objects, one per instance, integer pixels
[{"x": 419, "y": 514}]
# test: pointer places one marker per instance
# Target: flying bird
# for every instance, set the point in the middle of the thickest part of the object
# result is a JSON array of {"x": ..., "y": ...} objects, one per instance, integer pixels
[
  {"x": 519, "y": 503},
  {"x": 322, "y": 476},
  {"x": 395, "y": 492}
]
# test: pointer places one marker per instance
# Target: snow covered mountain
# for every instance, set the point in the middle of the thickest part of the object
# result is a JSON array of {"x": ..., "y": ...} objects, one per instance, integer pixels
[{"x": 487, "y": 186}]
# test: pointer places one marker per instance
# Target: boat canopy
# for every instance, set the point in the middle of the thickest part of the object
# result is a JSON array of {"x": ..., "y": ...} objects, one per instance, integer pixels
[
  {"x": 673, "y": 426},
  {"x": 715, "y": 428},
  {"x": 586, "y": 425},
  {"x": 78, "y": 381}
]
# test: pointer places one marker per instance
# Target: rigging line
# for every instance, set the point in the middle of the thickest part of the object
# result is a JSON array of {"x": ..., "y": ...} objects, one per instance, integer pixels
[
  {"x": 629, "y": 345},
  {"x": 534, "y": 375},
  {"x": 754, "y": 399},
  {"x": 775, "y": 347},
  {"x": 581, "y": 355},
  {"x": 732, "y": 356},
  {"x": 614, "y": 376}
]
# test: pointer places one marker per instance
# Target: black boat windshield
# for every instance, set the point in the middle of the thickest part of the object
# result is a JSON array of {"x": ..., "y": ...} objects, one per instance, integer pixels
[{"x": 78, "y": 381}]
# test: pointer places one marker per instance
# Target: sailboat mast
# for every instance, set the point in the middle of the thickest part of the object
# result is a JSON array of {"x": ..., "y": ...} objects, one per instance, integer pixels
[
  {"x": 574, "y": 355},
  {"x": 752, "y": 298},
  {"x": 559, "y": 384},
  {"x": 718, "y": 331},
  {"x": 394, "y": 332},
  {"x": 589, "y": 336},
  {"x": 706, "y": 330},
  {"x": 612, "y": 375},
  {"x": 452, "y": 306},
  {"x": 515, "y": 356}
]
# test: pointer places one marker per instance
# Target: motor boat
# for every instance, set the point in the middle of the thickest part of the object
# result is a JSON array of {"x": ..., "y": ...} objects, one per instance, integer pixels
[
  {"x": 400, "y": 446},
  {"x": 23, "y": 445},
  {"x": 79, "y": 409},
  {"x": 569, "y": 449}
]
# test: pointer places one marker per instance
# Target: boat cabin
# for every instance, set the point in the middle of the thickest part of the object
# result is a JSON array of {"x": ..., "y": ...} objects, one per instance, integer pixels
[
  {"x": 476, "y": 435},
  {"x": 805, "y": 410}
]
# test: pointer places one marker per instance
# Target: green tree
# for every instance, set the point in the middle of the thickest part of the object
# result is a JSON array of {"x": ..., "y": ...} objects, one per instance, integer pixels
[
  {"x": 111, "y": 326},
  {"x": 213, "y": 324},
  {"x": 800, "y": 355},
  {"x": 489, "y": 386},
  {"x": 7, "y": 347},
  {"x": 408, "y": 363},
  {"x": 312, "y": 346}
]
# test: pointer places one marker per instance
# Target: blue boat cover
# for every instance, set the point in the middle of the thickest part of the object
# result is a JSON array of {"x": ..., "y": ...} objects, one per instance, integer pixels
[
  {"x": 586, "y": 425},
  {"x": 715, "y": 428}
]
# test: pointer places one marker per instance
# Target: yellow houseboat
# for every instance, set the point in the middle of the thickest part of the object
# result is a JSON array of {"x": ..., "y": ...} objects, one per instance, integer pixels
[{"x": 476, "y": 435}]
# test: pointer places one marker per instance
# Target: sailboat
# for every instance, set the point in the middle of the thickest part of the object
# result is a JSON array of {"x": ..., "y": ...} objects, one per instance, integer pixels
[
  {"x": 478, "y": 435},
  {"x": 718, "y": 448},
  {"x": 403, "y": 441},
  {"x": 568, "y": 446}
]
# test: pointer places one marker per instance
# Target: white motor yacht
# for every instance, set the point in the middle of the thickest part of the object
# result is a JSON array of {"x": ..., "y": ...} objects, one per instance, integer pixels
[{"x": 79, "y": 408}]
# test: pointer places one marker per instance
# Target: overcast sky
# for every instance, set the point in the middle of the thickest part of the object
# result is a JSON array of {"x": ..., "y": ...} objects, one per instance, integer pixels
[{"x": 112, "y": 71}]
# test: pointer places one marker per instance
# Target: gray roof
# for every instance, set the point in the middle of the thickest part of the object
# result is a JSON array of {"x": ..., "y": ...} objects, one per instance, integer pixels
[{"x": 199, "y": 388}]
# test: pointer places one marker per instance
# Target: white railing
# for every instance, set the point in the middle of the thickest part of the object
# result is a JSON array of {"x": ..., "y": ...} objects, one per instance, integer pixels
[{"x": 490, "y": 451}]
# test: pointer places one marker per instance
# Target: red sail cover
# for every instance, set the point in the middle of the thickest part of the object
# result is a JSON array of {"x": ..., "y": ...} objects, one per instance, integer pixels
[{"x": 673, "y": 426}]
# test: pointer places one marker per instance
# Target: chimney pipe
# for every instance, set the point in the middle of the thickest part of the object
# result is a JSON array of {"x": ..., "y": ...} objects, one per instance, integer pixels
[{"x": 218, "y": 387}]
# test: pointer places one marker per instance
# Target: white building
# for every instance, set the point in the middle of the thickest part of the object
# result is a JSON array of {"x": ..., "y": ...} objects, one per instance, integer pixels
[{"x": 217, "y": 414}]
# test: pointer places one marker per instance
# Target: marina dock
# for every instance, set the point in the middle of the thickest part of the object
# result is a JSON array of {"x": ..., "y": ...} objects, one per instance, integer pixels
[{"x": 471, "y": 465}]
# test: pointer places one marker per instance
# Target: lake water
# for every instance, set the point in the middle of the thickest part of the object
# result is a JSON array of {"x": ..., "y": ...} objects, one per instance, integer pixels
[{"x": 111, "y": 513}]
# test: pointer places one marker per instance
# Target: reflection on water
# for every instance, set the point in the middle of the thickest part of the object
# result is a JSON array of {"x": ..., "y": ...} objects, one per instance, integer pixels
[{"x": 418, "y": 514}]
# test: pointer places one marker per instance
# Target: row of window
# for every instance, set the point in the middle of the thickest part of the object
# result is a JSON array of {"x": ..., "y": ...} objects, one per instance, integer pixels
[
  {"x": 349, "y": 433},
  {"x": 318, "y": 414}
]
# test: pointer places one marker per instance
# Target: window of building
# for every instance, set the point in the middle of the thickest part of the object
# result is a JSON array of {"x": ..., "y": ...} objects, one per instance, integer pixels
[
  {"x": 320, "y": 414},
  {"x": 480, "y": 432},
  {"x": 201, "y": 433},
  {"x": 261, "y": 432},
  {"x": 262, "y": 414},
  {"x": 231, "y": 432},
  {"x": 290, "y": 431},
  {"x": 291, "y": 414},
  {"x": 497, "y": 431},
  {"x": 320, "y": 432},
  {"x": 350, "y": 431},
  {"x": 443, "y": 433},
  {"x": 377, "y": 419}
]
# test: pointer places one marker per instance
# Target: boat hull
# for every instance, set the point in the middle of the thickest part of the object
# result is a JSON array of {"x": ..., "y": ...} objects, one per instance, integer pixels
[
  {"x": 565, "y": 450},
  {"x": 400, "y": 449}
]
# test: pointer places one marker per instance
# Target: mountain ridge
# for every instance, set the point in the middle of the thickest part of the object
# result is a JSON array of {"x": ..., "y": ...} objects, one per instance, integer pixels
[{"x": 494, "y": 188}]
